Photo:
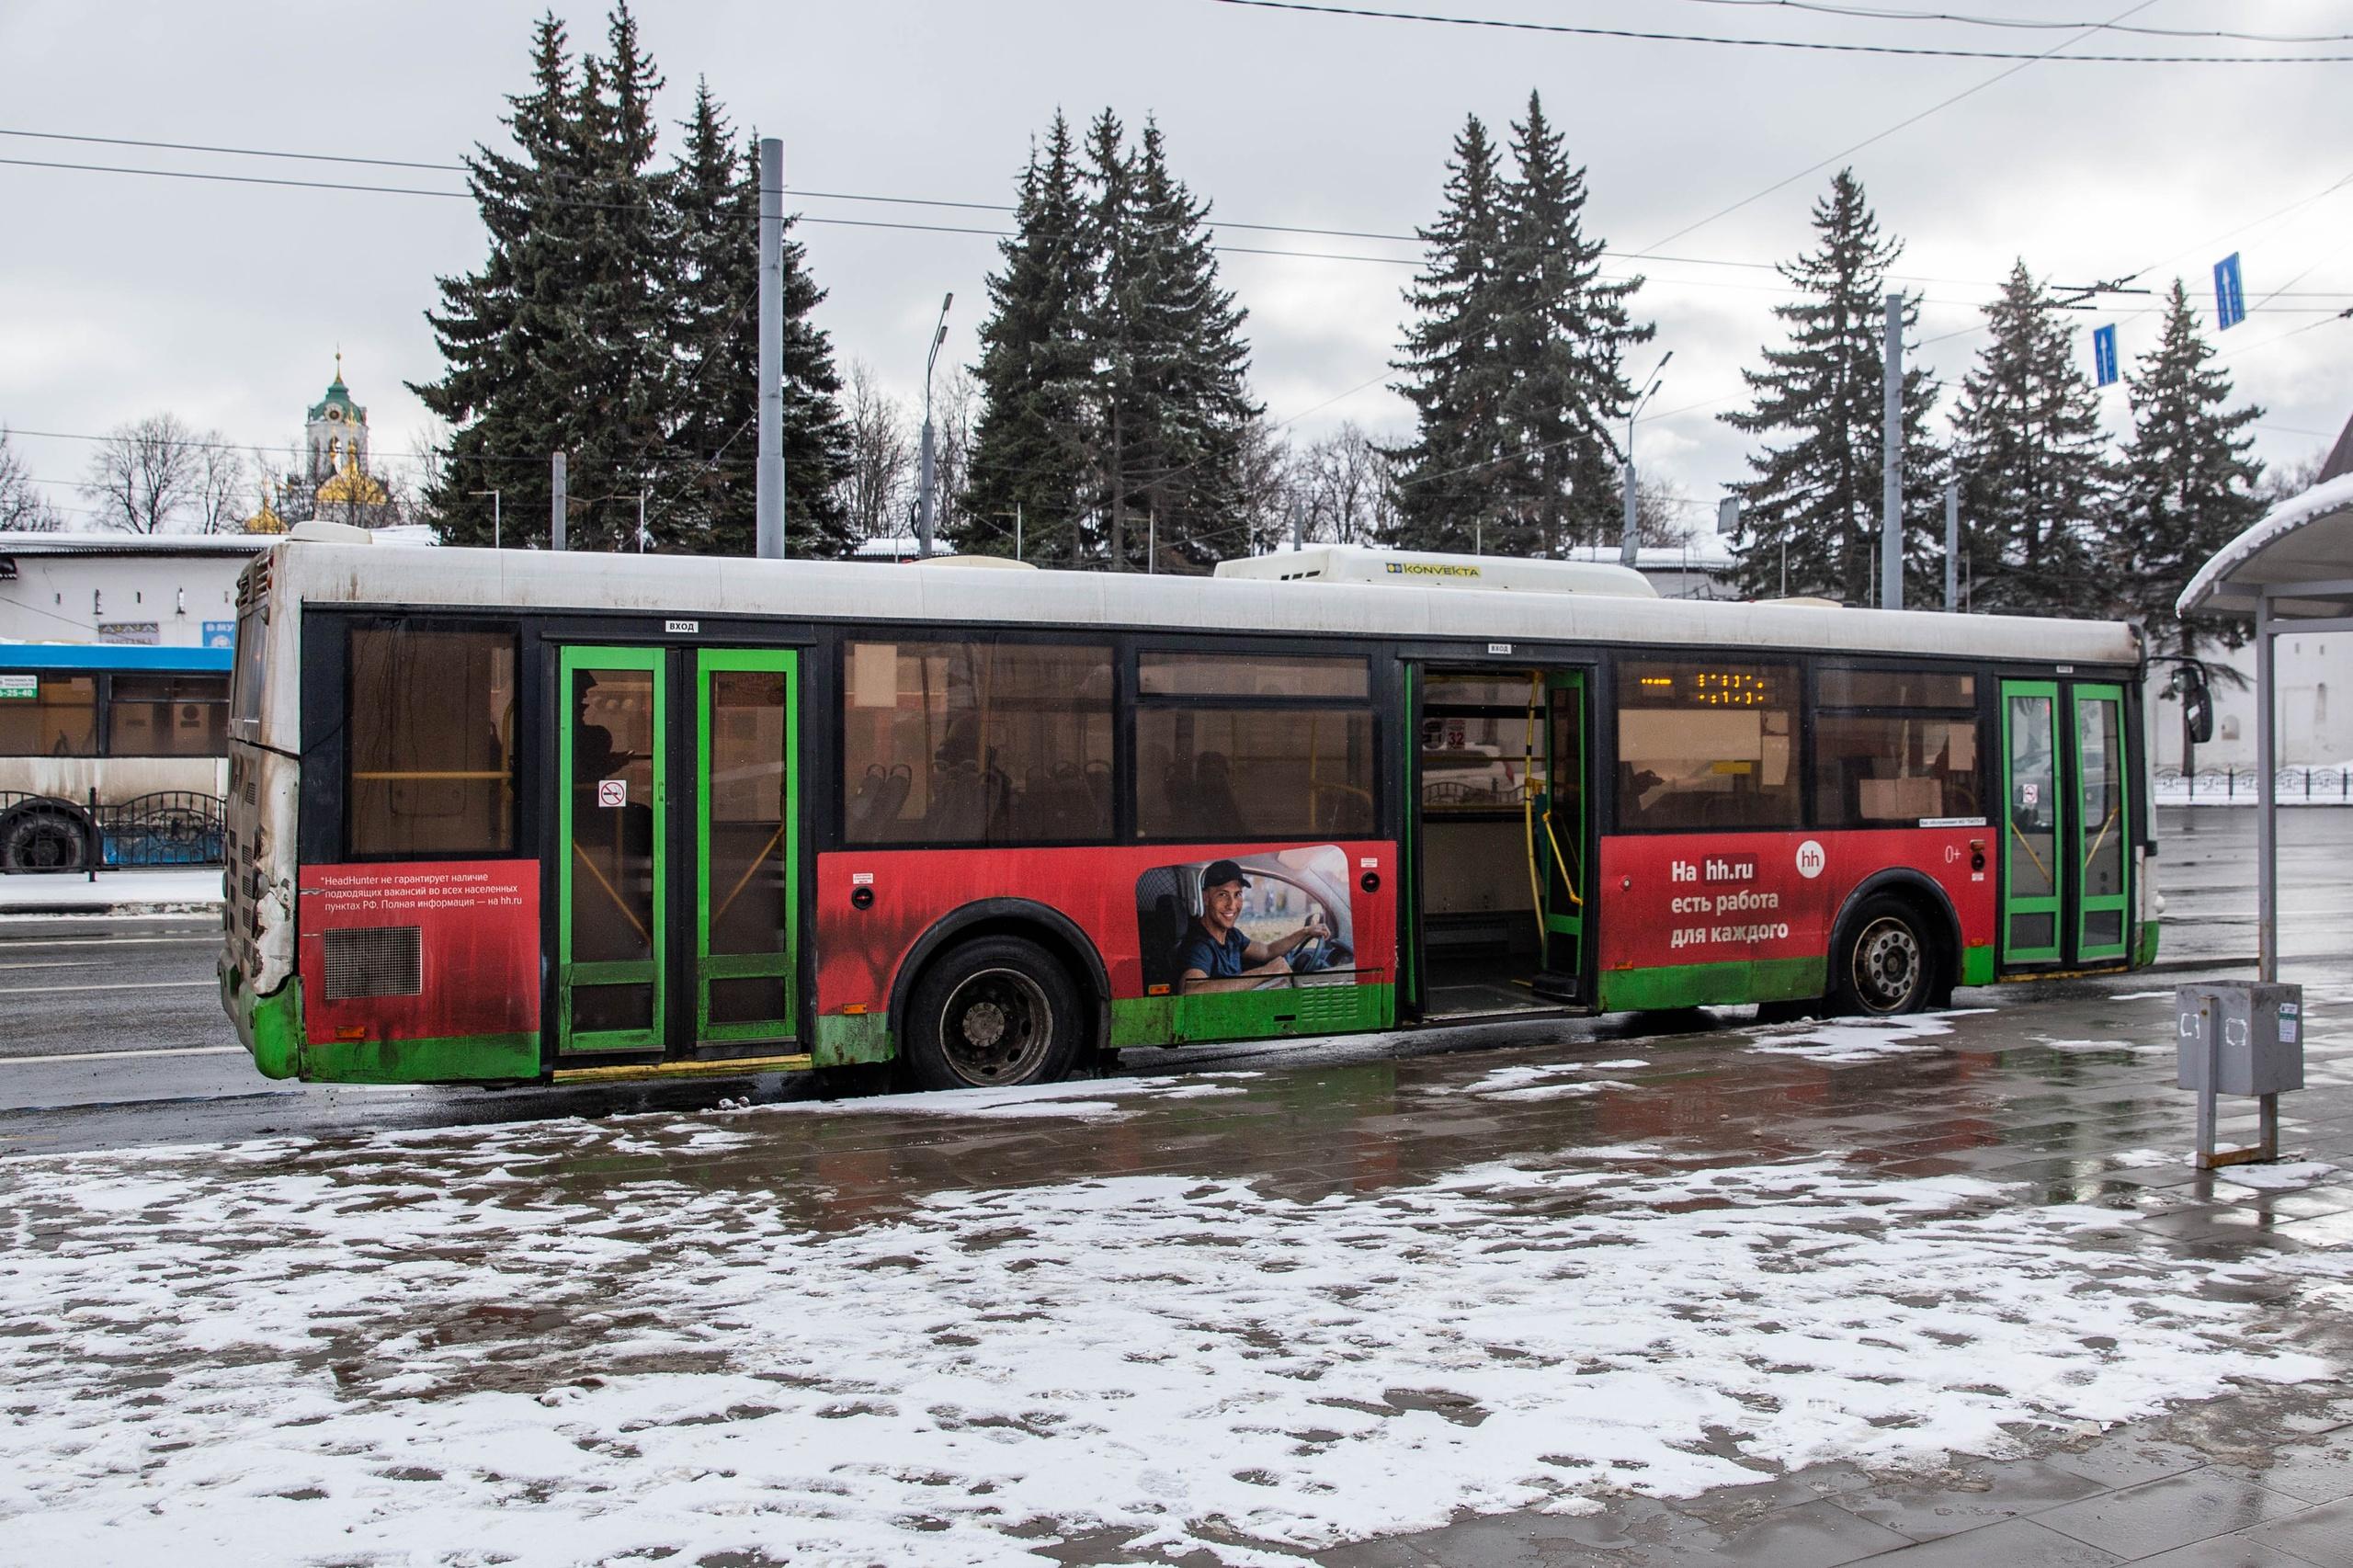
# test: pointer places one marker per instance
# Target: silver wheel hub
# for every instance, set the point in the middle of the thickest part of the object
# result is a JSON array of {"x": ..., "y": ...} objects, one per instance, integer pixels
[
  {"x": 1887, "y": 963},
  {"x": 997, "y": 1027}
]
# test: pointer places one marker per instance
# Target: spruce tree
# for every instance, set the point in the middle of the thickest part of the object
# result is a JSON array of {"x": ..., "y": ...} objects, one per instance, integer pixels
[
  {"x": 611, "y": 371},
  {"x": 1033, "y": 450},
  {"x": 495, "y": 325},
  {"x": 2034, "y": 480},
  {"x": 1562, "y": 333},
  {"x": 1816, "y": 495},
  {"x": 713, "y": 323},
  {"x": 1191, "y": 369},
  {"x": 1114, "y": 325},
  {"x": 1448, "y": 478},
  {"x": 2189, "y": 483}
]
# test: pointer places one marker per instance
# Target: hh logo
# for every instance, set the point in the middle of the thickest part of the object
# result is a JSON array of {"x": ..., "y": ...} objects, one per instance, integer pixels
[{"x": 1811, "y": 860}]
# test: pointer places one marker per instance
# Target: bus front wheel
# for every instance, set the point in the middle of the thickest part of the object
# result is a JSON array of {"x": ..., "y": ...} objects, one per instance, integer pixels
[
  {"x": 1886, "y": 961},
  {"x": 993, "y": 1014}
]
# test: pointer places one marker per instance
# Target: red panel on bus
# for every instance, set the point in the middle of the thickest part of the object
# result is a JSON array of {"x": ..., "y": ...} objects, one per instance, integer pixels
[
  {"x": 1131, "y": 902},
  {"x": 426, "y": 950},
  {"x": 1718, "y": 898}
]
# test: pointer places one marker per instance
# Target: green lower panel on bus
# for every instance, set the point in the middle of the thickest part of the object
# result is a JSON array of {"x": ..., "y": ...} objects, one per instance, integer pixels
[
  {"x": 2146, "y": 945},
  {"x": 1711, "y": 984},
  {"x": 1977, "y": 965},
  {"x": 271, "y": 1028},
  {"x": 1253, "y": 1015},
  {"x": 845, "y": 1040},
  {"x": 500, "y": 1057}
]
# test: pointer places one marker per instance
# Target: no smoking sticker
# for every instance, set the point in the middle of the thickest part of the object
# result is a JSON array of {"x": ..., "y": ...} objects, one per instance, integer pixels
[{"x": 612, "y": 792}]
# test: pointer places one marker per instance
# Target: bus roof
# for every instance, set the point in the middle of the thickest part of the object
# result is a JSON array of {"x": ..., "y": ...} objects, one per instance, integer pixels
[
  {"x": 379, "y": 575},
  {"x": 112, "y": 656},
  {"x": 1328, "y": 563}
]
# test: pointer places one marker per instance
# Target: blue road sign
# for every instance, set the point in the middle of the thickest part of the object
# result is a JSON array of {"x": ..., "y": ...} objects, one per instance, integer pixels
[
  {"x": 2104, "y": 355},
  {"x": 2230, "y": 297}
]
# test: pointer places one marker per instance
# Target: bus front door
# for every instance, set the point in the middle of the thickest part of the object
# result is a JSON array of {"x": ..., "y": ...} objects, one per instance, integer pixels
[
  {"x": 680, "y": 852},
  {"x": 2066, "y": 829}
]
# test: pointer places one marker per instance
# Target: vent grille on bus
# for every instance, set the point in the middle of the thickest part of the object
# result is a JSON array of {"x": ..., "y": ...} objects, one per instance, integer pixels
[{"x": 384, "y": 961}]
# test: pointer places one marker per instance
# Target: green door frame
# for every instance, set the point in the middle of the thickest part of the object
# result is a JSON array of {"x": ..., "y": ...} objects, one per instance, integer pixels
[
  {"x": 572, "y": 658},
  {"x": 1409, "y": 856},
  {"x": 2116, "y": 829},
  {"x": 783, "y": 964},
  {"x": 2013, "y": 903},
  {"x": 1564, "y": 902}
]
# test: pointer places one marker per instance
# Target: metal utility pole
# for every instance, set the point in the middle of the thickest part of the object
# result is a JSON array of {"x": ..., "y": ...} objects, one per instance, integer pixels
[
  {"x": 923, "y": 479},
  {"x": 1630, "y": 537},
  {"x": 768, "y": 472},
  {"x": 1152, "y": 539},
  {"x": 493, "y": 514},
  {"x": 1890, "y": 522},
  {"x": 1952, "y": 545},
  {"x": 640, "y": 520},
  {"x": 557, "y": 505},
  {"x": 1297, "y": 528}
]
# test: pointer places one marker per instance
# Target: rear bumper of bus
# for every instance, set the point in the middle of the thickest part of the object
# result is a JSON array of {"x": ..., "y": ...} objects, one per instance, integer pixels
[{"x": 270, "y": 1028}]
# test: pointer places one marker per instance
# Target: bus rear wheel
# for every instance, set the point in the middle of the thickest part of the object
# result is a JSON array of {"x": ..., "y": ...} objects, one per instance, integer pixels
[
  {"x": 995, "y": 1013},
  {"x": 43, "y": 841},
  {"x": 1887, "y": 963}
]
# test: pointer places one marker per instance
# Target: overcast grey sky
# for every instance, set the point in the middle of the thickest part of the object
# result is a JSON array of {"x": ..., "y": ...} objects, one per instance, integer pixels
[{"x": 122, "y": 295}]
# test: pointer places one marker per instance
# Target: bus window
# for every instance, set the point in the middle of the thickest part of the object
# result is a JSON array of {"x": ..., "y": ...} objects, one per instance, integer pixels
[
  {"x": 1903, "y": 750},
  {"x": 432, "y": 739},
  {"x": 1705, "y": 745},
  {"x": 1246, "y": 675},
  {"x": 976, "y": 743},
  {"x": 61, "y": 719},
  {"x": 253, "y": 639},
  {"x": 167, "y": 716}
]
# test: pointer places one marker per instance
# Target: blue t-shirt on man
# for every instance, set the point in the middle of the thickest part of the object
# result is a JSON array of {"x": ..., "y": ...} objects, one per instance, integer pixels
[{"x": 1215, "y": 959}]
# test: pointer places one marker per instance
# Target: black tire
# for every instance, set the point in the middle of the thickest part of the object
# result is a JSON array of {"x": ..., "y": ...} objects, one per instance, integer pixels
[
  {"x": 1886, "y": 960},
  {"x": 43, "y": 840},
  {"x": 995, "y": 1013}
]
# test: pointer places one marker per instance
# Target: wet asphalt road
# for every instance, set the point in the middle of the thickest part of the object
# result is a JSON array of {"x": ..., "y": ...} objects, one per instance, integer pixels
[{"x": 110, "y": 1034}]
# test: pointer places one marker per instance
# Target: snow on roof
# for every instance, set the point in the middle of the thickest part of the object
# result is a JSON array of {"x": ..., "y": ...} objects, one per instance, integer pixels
[
  {"x": 2306, "y": 539},
  {"x": 112, "y": 543}
]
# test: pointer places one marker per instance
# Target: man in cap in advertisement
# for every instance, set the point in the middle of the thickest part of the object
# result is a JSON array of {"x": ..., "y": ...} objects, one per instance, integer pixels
[{"x": 1215, "y": 956}]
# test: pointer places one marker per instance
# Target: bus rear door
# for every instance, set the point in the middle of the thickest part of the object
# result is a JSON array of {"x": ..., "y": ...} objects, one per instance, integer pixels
[{"x": 678, "y": 837}]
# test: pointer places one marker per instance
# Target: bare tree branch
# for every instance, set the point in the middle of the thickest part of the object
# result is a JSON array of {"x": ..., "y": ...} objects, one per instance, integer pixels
[
  {"x": 23, "y": 507},
  {"x": 146, "y": 475}
]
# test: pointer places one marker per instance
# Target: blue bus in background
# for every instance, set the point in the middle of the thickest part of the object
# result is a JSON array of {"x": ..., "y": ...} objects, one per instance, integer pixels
[{"x": 111, "y": 755}]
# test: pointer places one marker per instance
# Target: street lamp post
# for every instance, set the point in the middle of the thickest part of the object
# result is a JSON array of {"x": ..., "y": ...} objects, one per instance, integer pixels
[
  {"x": 493, "y": 514},
  {"x": 1630, "y": 537},
  {"x": 923, "y": 514}
]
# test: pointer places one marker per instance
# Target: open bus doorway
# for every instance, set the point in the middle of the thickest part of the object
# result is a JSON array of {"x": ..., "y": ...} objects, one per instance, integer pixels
[{"x": 1500, "y": 794}]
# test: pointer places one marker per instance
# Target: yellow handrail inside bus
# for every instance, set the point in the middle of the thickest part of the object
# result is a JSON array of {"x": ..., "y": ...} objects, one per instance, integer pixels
[
  {"x": 2030, "y": 854},
  {"x": 611, "y": 892},
  {"x": 749, "y": 870},
  {"x": 1528, "y": 794},
  {"x": 2102, "y": 838}
]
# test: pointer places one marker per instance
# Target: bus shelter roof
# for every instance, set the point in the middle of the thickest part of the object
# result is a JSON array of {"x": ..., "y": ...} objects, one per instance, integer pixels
[{"x": 2299, "y": 557}]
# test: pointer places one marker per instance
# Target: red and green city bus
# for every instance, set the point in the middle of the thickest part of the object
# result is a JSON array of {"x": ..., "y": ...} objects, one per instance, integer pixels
[{"x": 516, "y": 817}]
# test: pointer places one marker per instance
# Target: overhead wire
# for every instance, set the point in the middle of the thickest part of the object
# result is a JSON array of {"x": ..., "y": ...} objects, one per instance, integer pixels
[
  {"x": 1641, "y": 35},
  {"x": 1890, "y": 14}
]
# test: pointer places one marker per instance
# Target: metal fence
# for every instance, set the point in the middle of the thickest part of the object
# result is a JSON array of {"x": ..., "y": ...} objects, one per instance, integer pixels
[
  {"x": 2304, "y": 785},
  {"x": 169, "y": 828}
]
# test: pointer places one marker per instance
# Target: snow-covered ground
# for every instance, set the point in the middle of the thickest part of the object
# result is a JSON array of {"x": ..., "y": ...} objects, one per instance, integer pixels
[
  {"x": 177, "y": 888},
  {"x": 574, "y": 1342}
]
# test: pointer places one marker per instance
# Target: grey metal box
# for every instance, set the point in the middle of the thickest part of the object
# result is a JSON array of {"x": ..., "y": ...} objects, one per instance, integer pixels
[{"x": 2262, "y": 1035}]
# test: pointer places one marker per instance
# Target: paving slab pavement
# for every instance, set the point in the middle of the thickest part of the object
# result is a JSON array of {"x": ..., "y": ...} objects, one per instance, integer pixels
[{"x": 1933, "y": 1290}]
